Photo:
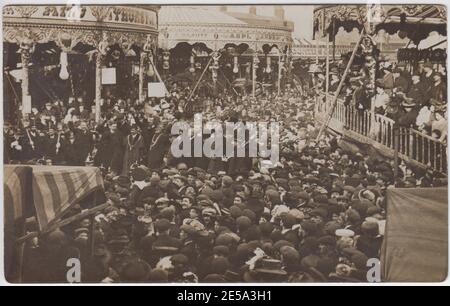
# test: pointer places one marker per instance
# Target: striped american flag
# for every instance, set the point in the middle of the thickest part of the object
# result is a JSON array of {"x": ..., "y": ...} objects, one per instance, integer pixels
[{"x": 56, "y": 189}]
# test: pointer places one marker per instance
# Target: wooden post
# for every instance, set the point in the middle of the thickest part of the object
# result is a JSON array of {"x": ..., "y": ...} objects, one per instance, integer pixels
[
  {"x": 92, "y": 236},
  {"x": 327, "y": 67},
  {"x": 141, "y": 76},
  {"x": 334, "y": 40},
  {"x": 317, "y": 50},
  {"x": 373, "y": 73},
  {"x": 396, "y": 145},
  {"x": 338, "y": 90},
  {"x": 199, "y": 79},
  {"x": 255, "y": 58},
  {"x": 98, "y": 86},
  {"x": 157, "y": 73},
  {"x": 25, "y": 60},
  {"x": 279, "y": 73}
]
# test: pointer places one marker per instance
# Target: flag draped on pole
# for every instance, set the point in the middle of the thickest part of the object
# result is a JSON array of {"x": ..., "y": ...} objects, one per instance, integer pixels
[
  {"x": 56, "y": 189},
  {"x": 15, "y": 193},
  {"x": 17, "y": 205},
  {"x": 46, "y": 192}
]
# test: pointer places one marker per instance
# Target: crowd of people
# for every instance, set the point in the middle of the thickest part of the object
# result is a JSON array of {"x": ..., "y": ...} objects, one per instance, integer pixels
[
  {"x": 317, "y": 216},
  {"x": 415, "y": 98}
]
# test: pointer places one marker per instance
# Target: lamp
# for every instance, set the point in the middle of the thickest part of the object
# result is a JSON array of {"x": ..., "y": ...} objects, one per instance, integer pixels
[
  {"x": 236, "y": 66},
  {"x": 63, "y": 73},
  {"x": 150, "y": 71},
  {"x": 192, "y": 61},
  {"x": 268, "y": 68}
]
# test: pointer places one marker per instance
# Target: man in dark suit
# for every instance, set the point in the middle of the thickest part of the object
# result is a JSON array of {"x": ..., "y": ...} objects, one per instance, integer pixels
[
  {"x": 84, "y": 140},
  {"x": 417, "y": 90},
  {"x": 388, "y": 80},
  {"x": 361, "y": 99},
  {"x": 111, "y": 149},
  {"x": 83, "y": 113},
  {"x": 159, "y": 146},
  {"x": 49, "y": 144},
  {"x": 401, "y": 83},
  {"x": 161, "y": 245},
  {"x": 33, "y": 143},
  {"x": 16, "y": 146},
  {"x": 427, "y": 77},
  {"x": 71, "y": 150},
  {"x": 438, "y": 90}
]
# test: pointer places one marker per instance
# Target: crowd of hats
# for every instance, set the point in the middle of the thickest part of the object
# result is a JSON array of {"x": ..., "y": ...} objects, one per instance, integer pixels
[
  {"x": 415, "y": 55},
  {"x": 412, "y": 92},
  {"x": 317, "y": 216}
]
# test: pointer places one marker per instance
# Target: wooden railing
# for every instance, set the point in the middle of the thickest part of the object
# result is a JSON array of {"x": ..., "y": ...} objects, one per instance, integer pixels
[{"x": 414, "y": 147}]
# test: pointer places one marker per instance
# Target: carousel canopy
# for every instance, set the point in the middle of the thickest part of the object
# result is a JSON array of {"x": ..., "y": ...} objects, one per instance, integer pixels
[
  {"x": 88, "y": 24},
  {"x": 413, "y": 21},
  {"x": 304, "y": 48},
  {"x": 216, "y": 29},
  {"x": 186, "y": 15}
]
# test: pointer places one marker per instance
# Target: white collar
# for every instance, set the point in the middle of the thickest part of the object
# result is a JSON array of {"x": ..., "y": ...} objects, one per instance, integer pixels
[{"x": 141, "y": 184}]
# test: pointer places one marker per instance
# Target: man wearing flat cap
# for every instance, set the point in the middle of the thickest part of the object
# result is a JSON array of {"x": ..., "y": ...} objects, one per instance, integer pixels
[
  {"x": 417, "y": 90},
  {"x": 388, "y": 80},
  {"x": 438, "y": 90},
  {"x": 162, "y": 244},
  {"x": 427, "y": 77},
  {"x": 401, "y": 83}
]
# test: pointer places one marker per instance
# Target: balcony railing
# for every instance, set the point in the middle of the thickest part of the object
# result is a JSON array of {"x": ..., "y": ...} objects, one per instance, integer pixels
[{"x": 414, "y": 147}]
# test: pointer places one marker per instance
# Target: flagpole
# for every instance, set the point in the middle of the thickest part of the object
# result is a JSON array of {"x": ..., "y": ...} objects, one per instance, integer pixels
[
  {"x": 201, "y": 76},
  {"x": 341, "y": 84}
]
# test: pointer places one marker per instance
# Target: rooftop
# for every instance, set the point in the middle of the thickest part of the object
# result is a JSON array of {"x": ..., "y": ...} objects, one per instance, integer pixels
[
  {"x": 188, "y": 14},
  {"x": 257, "y": 20}
]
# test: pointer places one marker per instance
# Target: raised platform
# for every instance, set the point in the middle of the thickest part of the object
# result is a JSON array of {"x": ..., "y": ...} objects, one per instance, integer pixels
[{"x": 414, "y": 147}]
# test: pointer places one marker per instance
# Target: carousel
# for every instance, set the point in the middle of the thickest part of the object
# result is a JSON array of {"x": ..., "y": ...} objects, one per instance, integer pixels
[
  {"x": 223, "y": 49},
  {"x": 54, "y": 53},
  {"x": 414, "y": 22}
]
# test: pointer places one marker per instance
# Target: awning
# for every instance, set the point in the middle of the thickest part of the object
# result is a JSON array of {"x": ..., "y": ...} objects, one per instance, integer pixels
[{"x": 416, "y": 235}]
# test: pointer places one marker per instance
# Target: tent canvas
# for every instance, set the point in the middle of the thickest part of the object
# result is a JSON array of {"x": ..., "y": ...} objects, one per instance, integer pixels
[{"x": 415, "y": 247}]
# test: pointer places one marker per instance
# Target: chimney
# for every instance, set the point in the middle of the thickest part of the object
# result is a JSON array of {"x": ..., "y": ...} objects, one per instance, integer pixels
[
  {"x": 278, "y": 12},
  {"x": 252, "y": 10},
  {"x": 223, "y": 8}
]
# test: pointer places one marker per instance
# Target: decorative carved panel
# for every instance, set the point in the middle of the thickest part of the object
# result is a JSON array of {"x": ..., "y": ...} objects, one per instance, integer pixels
[
  {"x": 363, "y": 14},
  {"x": 86, "y": 24},
  {"x": 217, "y": 37}
]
